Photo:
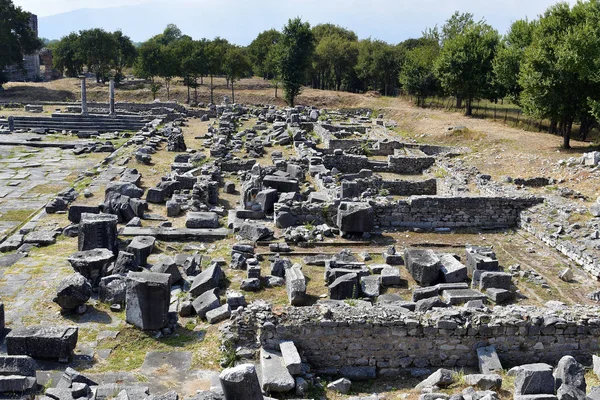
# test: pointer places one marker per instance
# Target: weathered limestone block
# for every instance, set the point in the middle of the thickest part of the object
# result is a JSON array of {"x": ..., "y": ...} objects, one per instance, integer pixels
[
  {"x": 42, "y": 342},
  {"x": 98, "y": 231},
  {"x": 355, "y": 217},
  {"x": 147, "y": 300}
]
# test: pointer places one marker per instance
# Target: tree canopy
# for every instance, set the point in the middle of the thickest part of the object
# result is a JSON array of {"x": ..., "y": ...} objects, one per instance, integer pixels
[{"x": 16, "y": 36}]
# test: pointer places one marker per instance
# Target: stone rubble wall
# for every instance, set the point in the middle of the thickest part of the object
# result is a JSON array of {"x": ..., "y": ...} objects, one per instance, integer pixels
[
  {"x": 451, "y": 212},
  {"x": 332, "y": 337},
  {"x": 426, "y": 212},
  {"x": 400, "y": 188},
  {"x": 409, "y": 165},
  {"x": 347, "y": 163}
]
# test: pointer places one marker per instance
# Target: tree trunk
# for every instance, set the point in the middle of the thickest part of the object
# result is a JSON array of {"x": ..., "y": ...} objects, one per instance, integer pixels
[
  {"x": 196, "y": 94},
  {"x": 276, "y": 86},
  {"x": 232, "y": 93},
  {"x": 168, "y": 85},
  {"x": 188, "y": 99},
  {"x": 469, "y": 108},
  {"x": 211, "y": 90},
  {"x": 584, "y": 128},
  {"x": 459, "y": 102},
  {"x": 566, "y": 133},
  {"x": 553, "y": 126},
  {"x": 202, "y": 79}
]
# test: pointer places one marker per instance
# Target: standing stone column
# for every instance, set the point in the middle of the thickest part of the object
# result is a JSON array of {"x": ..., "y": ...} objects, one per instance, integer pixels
[
  {"x": 11, "y": 123},
  {"x": 84, "y": 109},
  {"x": 111, "y": 101}
]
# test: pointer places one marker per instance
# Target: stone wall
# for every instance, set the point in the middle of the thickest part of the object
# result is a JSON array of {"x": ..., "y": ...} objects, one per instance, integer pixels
[
  {"x": 400, "y": 187},
  {"x": 409, "y": 165},
  {"x": 388, "y": 341},
  {"x": 427, "y": 212},
  {"x": 347, "y": 163},
  {"x": 452, "y": 212}
]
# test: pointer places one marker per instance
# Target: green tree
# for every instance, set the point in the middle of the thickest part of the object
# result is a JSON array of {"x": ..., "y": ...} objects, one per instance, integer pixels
[
  {"x": 236, "y": 65},
  {"x": 126, "y": 54},
  {"x": 464, "y": 66},
  {"x": 510, "y": 52},
  {"x": 191, "y": 53},
  {"x": 559, "y": 70},
  {"x": 16, "y": 36},
  {"x": 417, "y": 75},
  {"x": 215, "y": 54},
  {"x": 296, "y": 50},
  {"x": 259, "y": 49},
  {"x": 378, "y": 66},
  {"x": 99, "y": 50},
  {"x": 335, "y": 55},
  {"x": 170, "y": 65},
  {"x": 171, "y": 34},
  {"x": 273, "y": 64},
  {"x": 66, "y": 56}
]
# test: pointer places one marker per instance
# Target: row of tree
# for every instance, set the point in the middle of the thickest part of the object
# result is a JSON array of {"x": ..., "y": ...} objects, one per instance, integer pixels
[{"x": 100, "y": 51}]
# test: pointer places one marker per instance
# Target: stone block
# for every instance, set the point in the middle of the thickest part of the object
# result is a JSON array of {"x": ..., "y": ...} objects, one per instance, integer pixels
[
  {"x": 499, "y": 296},
  {"x": 452, "y": 270},
  {"x": 206, "y": 280},
  {"x": 75, "y": 212},
  {"x": 141, "y": 247},
  {"x": 281, "y": 184},
  {"x": 206, "y": 302},
  {"x": 295, "y": 285},
  {"x": 202, "y": 220},
  {"x": 275, "y": 376},
  {"x": 344, "y": 287},
  {"x": 241, "y": 383},
  {"x": 291, "y": 357},
  {"x": 390, "y": 276},
  {"x": 423, "y": 265},
  {"x": 266, "y": 199},
  {"x": 92, "y": 264},
  {"x": 42, "y": 342},
  {"x": 355, "y": 217},
  {"x": 489, "y": 362},
  {"x": 98, "y": 231},
  {"x": 461, "y": 296},
  {"x": 147, "y": 299},
  {"x": 440, "y": 378},
  {"x": 497, "y": 280},
  {"x": 534, "y": 379},
  {"x": 218, "y": 314},
  {"x": 370, "y": 286}
]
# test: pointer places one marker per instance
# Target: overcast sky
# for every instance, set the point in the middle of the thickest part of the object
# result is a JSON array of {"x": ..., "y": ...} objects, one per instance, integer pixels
[{"x": 241, "y": 20}]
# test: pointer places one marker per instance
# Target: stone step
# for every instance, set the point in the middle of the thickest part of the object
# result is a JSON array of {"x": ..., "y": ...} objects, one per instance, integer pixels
[{"x": 79, "y": 117}]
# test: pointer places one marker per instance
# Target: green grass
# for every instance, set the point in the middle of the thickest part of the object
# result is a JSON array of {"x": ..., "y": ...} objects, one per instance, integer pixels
[
  {"x": 130, "y": 347},
  {"x": 20, "y": 215}
]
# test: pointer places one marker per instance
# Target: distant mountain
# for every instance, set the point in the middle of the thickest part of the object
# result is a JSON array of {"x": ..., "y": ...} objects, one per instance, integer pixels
[{"x": 237, "y": 21}]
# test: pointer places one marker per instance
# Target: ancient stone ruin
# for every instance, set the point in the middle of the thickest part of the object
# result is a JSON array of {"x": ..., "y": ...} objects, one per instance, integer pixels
[{"x": 282, "y": 252}]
